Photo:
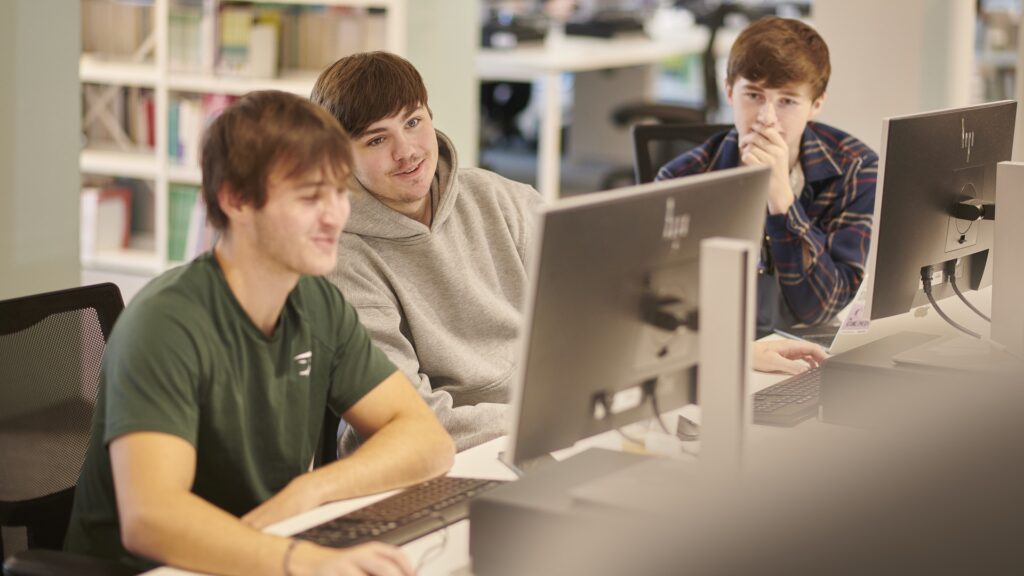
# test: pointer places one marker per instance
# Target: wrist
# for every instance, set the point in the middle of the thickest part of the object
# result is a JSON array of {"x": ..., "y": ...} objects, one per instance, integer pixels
[
  {"x": 310, "y": 489},
  {"x": 779, "y": 202},
  {"x": 305, "y": 558}
]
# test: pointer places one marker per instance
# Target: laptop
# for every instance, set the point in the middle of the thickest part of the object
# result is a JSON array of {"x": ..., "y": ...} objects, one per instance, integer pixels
[{"x": 851, "y": 320}]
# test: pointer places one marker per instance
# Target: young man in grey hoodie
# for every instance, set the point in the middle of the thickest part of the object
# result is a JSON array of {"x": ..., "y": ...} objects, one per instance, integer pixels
[{"x": 434, "y": 254}]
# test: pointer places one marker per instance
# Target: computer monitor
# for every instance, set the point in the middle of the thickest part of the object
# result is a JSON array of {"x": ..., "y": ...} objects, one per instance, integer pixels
[
  {"x": 930, "y": 163},
  {"x": 611, "y": 311}
]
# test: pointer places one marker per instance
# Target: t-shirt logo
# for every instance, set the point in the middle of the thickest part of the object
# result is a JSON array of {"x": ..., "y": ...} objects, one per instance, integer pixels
[{"x": 305, "y": 362}]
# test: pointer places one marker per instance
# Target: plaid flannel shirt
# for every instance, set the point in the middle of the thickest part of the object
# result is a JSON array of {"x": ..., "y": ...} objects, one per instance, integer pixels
[{"x": 819, "y": 247}]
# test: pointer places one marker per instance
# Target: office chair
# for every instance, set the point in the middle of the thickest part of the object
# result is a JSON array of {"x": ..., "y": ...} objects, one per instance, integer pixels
[
  {"x": 654, "y": 145},
  {"x": 327, "y": 447},
  {"x": 50, "y": 350}
]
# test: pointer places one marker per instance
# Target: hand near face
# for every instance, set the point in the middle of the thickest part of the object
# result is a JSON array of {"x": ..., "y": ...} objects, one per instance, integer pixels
[{"x": 765, "y": 146}]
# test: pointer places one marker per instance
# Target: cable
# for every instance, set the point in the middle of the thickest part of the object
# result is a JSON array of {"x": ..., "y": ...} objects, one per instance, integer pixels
[
  {"x": 603, "y": 400},
  {"x": 951, "y": 276},
  {"x": 926, "y": 281},
  {"x": 629, "y": 437},
  {"x": 432, "y": 553},
  {"x": 649, "y": 387}
]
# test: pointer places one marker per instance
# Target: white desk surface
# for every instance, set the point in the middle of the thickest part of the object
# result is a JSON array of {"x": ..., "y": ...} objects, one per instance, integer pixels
[
  {"x": 482, "y": 461},
  {"x": 580, "y": 54}
]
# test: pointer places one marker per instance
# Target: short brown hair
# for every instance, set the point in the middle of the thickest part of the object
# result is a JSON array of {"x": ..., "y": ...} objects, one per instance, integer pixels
[
  {"x": 363, "y": 88},
  {"x": 780, "y": 51},
  {"x": 264, "y": 133}
]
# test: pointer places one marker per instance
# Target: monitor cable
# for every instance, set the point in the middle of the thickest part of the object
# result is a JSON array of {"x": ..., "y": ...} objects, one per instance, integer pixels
[
  {"x": 434, "y": 552},
  {"x": 950, "y": 270},
  {"x": 649, "y": 388},
  {"x": 926, "y": 282},
  {"x": 686, "y": 431},
  {"x": 602, "y": 399}
]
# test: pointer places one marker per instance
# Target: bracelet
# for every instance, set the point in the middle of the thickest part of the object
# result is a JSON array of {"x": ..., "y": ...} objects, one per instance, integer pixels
[{"x": 288, "y": 556}]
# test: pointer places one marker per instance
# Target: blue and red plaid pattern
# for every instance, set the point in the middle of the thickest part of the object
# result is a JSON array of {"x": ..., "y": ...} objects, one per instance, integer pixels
[{"x": 820, "y": 246}]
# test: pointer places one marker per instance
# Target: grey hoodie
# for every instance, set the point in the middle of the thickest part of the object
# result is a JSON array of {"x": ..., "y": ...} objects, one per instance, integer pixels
[{"x": 444, "y": 303}]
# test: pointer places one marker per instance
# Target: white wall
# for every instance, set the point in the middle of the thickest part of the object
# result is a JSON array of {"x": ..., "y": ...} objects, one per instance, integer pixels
[
  {"x": 443, "y": 36},
  {"x": 39, "y": 143},
  {"x": 893, "y": 57}
]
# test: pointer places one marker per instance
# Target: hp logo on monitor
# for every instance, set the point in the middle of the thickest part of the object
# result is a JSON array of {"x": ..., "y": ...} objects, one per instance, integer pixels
[
  {"x": 966, "y": 139},
  {"x": 676, "y": 227}
]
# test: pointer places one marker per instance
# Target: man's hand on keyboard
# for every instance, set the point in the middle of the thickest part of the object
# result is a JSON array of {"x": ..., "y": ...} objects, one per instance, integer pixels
[
  {"x": 295, "y": 498},
  {"x": 372, "y": 559},
  {"x": 787, "y": 356}
]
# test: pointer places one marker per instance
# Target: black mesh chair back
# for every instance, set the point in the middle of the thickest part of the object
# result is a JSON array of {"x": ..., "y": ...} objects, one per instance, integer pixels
[
  {"x": 654, "y": 145},
  {"x": 50, "y": 350},
  {"x": 327, "y": 447}
]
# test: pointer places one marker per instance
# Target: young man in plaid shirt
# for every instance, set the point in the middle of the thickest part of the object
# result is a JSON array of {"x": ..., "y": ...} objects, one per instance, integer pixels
[{"x": 822, "y": 191}]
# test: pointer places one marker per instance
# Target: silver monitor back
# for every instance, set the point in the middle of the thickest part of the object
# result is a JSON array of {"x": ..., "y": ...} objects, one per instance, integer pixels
[
  {"x": 930, "y": 162},
  {"x": 597, "y": 261}
]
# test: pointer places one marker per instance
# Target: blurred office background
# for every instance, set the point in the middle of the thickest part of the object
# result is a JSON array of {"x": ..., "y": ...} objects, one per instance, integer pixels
[{"x": 99, "y": 130}]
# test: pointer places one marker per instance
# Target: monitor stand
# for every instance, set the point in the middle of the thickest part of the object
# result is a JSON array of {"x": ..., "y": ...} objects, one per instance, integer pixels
[
  {"x": 1008, "y": 266},
  {"x": 962, "y": 353},
  {"x": 1004, "y": 353}
]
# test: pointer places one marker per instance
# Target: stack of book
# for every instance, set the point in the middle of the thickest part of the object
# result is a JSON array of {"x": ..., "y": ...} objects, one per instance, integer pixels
[
  {"x": 132, "y": 110},
  {"x": 184, "y": 30},
  {"x": 314, "y": 38},
  {"x": 188, "y": 117},
  {"x": 243, "y": 39},
  {"x": 106, "y": 219},
  {"x": 115, "y": 29}
]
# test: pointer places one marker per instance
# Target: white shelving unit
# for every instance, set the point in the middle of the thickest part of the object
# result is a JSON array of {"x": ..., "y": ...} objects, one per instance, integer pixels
[{"x": 149, "y": 68}]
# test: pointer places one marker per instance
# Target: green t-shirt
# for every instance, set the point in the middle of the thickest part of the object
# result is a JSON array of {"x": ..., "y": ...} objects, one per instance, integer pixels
[{"x": 185, "y": 359}]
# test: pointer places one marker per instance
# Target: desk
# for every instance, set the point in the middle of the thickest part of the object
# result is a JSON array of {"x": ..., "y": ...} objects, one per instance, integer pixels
[
  {"x": 482, "y": 461},
  {"x": 575, "y": 54}
]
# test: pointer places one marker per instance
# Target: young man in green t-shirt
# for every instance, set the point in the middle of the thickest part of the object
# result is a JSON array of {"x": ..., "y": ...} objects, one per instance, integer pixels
[{"x": 216, "y": 377}]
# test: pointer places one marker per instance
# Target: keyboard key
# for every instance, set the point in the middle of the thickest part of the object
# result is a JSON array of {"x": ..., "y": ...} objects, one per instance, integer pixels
[
  {"x": 789, "y": 402},
  {"x": 403, "y": 517}
]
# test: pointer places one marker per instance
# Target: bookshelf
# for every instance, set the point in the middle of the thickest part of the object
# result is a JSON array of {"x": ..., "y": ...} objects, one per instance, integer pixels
[
  {"x": 996, "y": 49},
  {"x": 153, "y": 71}
]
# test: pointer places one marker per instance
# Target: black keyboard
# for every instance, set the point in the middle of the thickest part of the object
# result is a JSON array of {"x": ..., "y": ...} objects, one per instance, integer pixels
[
  {"x": 789, "y": 402},
  {"x": 404, "y": 517}
]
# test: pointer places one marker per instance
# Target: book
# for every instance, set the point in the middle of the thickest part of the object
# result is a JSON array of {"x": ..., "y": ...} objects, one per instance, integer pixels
[
  {"x": 104, "y": 219},
  {"x": 263, "y": 51},
  {"x": 201, "y": 236},
  {"x": 180, "y": 201},
  {"x": 184, "y": 49},
  {"x": 235, "y": 27}
]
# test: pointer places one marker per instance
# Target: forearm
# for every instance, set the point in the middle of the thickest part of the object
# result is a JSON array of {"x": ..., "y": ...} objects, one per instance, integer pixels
[
  {"x": 468, "y": 426},
  {"x": 406, "y": 451},
  {"x": 186, "y": 531}
]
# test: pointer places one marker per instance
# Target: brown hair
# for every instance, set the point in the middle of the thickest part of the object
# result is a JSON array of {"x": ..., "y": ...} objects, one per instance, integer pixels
[
  {"x": 265, "y": 133},
  {"x": 780, "y": 51},
  {"x": 363, "y": 88}
]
